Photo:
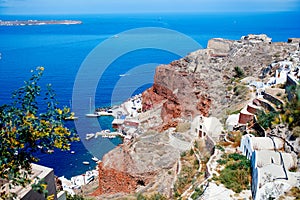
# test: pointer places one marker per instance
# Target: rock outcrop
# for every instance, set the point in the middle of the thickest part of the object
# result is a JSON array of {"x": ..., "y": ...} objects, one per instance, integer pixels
[
  {"x": 198, "y": 83},
  {"x": 144, "y": 165}
]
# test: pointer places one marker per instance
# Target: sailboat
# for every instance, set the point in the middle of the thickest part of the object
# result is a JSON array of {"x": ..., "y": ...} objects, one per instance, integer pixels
[
  {"x": 72, "y": 117},
  {"x": 92, "y": 114}
]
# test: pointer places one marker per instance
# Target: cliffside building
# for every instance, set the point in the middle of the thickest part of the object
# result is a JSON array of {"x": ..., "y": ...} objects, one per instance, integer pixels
[
  {"x": 203, "y": 126},
  {"x": 249, "y": 144},
  {"x": 270, "y": 174},
  {"x": 27, "y": 193}
]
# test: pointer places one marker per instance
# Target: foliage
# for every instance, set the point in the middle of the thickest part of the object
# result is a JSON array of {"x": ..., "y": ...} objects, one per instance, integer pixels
[
  {"x": 156, "y": 196},
  {"x": 235, "y": 137},
  {"x": 188, "y": 173},
  {"x": 26, "y": 129},
  {"x": 220, "y": 148},
  {"x": 239, "y": 72},
  {"x": 296, "y": 132},
  {"x": 240, "y": 90},
  {"x": 197, "y": 193},
  {"x": 236, "y": 174},
  {"x": 266, "y": 119},
  {"x": 291, "y": 111},
  {"x": 289, "y": 114},
  {"x": 41, "y": 187},
  {"x": 74, "y": 197}
]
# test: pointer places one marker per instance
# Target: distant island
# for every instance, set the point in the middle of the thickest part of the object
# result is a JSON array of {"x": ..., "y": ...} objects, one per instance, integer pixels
[{"x": 38, "y": 22}]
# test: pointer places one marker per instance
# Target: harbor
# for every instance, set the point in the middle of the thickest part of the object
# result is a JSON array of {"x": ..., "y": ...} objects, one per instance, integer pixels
[
  {"x": 104, "y": 134},
  {"x": 126, "y": 119}
]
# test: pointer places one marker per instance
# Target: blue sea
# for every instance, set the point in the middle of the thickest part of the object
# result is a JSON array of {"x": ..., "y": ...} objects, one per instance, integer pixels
[{"x": 64, "y": 49}]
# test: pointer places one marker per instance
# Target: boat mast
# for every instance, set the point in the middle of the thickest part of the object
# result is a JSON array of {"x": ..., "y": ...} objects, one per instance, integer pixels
[{"x": 90, "y": 104}]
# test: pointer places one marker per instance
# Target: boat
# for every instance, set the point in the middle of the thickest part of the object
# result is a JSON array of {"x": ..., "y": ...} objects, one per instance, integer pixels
[
  {"x": 92, "y": 115},
  {"x": 95, "y": 114},
  {"x": 86, "y": 162},
  {"x": 89, "y": 136},
  {"x": 106, "y": 131},
  {"x": 71, "y": 118},
  {"x": 122, "y": 75},
  {"x": 72, "y": 152},
  {"x": 95, "y": 159}
]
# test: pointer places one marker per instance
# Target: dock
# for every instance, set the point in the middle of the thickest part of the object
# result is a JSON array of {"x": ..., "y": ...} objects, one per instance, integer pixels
[{"x": 109, "y": 134}]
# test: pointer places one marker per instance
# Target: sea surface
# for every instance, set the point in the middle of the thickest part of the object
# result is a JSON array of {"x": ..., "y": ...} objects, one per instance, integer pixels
[{"x": 62, "y": 49}]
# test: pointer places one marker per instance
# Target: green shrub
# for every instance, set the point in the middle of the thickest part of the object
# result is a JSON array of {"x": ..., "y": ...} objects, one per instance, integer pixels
[
  {"x": 191, "y": 152},
  {"x": 239, "y": 72},
  {"x": 197, "y": 193},
  {"x": 236, "y": 175},
  {"x": 221, "y": 161},
  {"x": 74, "y": 197},
  {"x": 220, "y": 148},
  {"x": 240, "y": 90}
]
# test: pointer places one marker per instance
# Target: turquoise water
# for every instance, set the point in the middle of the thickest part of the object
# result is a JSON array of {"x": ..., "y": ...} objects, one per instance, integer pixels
[{"x": 62, "y": 49}]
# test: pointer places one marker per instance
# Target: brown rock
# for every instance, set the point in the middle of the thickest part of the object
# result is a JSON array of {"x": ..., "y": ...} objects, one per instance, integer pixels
[{"x": 112, "y": 181}]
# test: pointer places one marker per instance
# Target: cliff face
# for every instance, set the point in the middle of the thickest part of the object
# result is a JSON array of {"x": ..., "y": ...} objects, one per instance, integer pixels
[
  {"x": 198, "y": 83},
  {"x": 146, "y": 162}
]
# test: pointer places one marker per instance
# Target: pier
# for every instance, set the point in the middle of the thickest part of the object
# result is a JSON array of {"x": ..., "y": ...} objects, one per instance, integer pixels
[{"x": 109, "y": 134}]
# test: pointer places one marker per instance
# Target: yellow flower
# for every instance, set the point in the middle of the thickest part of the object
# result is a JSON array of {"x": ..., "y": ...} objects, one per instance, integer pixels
[
  {"x": 44, "y": 186},
  {"x": 51, "y": 197},
  {"x": 59, "y": 111}
]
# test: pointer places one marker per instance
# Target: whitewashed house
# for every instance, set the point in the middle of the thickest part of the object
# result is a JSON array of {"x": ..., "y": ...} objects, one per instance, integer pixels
[
  {"x": 202, "y": 126},
  {"x": 263, "y": 158},
  {"x": 250, "y": 143},
  {"x": 39, "y": 172},
  {"x": 271, "y": 181}
]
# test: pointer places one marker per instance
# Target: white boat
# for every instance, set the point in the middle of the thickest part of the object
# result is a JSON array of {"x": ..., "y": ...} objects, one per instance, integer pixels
[
  {"x": 123, "y": 75},
  {"x": 106, "y": 131},
  {"x": 72, "y": 152},
  {"x": 71, "y": 118},
  {"x": 92, "y": 115},
  {"x": 104, "y": 113},
  {"x": 89, "y": 136},
  {"x": 86, "y": 162},
  {"x": 95, "y": 159},
  {"x": 95, "y": 114}
]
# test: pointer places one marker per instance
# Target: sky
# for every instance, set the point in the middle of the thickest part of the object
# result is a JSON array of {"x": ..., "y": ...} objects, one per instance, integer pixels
[{"x": 143, "y": 6}]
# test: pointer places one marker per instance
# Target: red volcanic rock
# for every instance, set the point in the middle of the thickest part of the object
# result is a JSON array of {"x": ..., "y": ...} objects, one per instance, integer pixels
[
  {"x": 168, "y": 125},
  {"x": 204, "y": 105},
  {"x": 170, "y": 111},
  {"x": 112, "y": 181},
  {"x": 178, "y": 91},
  {"x": 150, "y": 99}
]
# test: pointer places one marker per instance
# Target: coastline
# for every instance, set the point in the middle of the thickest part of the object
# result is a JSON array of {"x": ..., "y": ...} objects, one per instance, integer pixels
[{"x": 38, "y": 22}]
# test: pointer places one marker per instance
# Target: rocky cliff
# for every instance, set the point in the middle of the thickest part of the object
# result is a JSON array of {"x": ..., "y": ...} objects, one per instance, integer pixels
[{"x": 200, "y": 83}]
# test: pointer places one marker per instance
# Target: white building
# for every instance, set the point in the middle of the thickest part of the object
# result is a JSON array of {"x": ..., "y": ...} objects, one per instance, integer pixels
[
  {"x": 27, "y": 193},
  {"x": 263, "y": 158},
  {"x": 202, "y": 126},
  {"x": 250, "y": 143},
  {"x": 271, "y": 181}
]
